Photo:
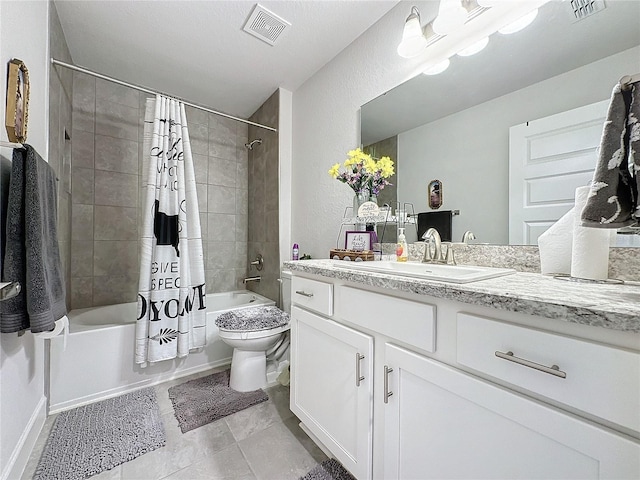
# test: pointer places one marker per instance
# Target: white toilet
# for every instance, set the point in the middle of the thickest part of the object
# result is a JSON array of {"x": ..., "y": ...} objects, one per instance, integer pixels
[{"x": 252, "y": 332}]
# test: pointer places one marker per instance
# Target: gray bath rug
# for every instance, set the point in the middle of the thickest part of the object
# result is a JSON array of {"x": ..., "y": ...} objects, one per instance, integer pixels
[
  {"x": 203, "y": 400},
  {"x": 91, "y": 439},
  {"x": 328, "y": 470}
]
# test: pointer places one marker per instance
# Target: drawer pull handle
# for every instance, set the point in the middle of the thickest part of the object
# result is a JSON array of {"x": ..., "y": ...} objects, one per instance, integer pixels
[
  {"x": 387, "y": 393},
  {"x": 359, "y": 377},
  {"x": 303, "y": 293},
  {"x": 552, "y": 370}
]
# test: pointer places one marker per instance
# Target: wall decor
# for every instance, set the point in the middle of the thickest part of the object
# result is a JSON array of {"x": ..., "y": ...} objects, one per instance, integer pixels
[
  {"x": 16, "y": 115},
  {"x": 358, "y": 241},
  {"x": 434, "y": 191}
]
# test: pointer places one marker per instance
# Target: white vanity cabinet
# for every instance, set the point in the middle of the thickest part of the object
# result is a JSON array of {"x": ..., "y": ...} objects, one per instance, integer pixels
[
  {"x": 440, "y": 406},
  {"x": 332, "y": 379}
]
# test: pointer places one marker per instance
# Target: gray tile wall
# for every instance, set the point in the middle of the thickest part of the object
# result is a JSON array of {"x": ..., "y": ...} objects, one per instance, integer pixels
[
  {"x": 108, "y": 125},
  {"x": 60, "y": 94},
  {"x": 263, "y": 200}
]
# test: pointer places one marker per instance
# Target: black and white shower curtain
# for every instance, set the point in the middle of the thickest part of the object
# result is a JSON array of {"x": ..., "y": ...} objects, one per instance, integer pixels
[{"x": 171, "y": 290}]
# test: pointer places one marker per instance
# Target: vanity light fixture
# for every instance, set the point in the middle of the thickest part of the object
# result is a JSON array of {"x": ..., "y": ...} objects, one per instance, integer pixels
[
  {"x": 413, "y": 40},
  {"x": 451, "y": 16},
  {"x": 520, "y": 23}
]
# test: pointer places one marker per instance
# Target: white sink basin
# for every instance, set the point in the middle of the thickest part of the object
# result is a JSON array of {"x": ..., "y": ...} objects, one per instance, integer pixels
[{"x": 428, "y": 271}]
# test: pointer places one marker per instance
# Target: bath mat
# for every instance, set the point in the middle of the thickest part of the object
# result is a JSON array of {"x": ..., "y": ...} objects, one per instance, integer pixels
[
  {"x": 203, "y": 400},
  {"x": 91, "y": 439},
  {"x": 328, "y": 470}
]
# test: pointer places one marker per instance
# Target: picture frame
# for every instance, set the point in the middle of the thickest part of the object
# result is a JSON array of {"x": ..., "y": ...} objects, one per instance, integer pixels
[
  {"x": 17, "y": 112},
  {"x": 434, "y": 194},
  {"x": 358, "y": 241}
]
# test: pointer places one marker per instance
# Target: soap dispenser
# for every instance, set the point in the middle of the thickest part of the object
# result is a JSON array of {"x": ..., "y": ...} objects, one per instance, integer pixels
[{"x": 401, "y": 247}]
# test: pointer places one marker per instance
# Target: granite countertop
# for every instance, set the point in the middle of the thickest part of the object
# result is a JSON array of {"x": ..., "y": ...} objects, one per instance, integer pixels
[{"x": 610, "y": 306}]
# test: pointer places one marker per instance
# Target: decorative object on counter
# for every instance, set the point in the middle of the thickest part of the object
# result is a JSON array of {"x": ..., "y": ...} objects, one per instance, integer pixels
[
  {"x": 17, "y": 113},
  {"x": 359, "y": 241},
  {"x": 613, "y": 201},
  {"x": 295, "y": 252},
  {"x": 434, "y": 191},
  {"x": 340, "y": 254},
  {"x": 366, "y": 176}
]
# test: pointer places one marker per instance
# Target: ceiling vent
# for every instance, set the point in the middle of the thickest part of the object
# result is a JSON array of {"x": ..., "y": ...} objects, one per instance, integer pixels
[
  {"x": 265, "y": 25},
  {"x": 585, "y": 8}
]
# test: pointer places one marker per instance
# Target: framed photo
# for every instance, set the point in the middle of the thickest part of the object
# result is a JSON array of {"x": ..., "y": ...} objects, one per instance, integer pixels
[
  {"x": 434, "y": 192},
  {"x": 358, "y": 241},
  {"x": 17, "y": 112}
]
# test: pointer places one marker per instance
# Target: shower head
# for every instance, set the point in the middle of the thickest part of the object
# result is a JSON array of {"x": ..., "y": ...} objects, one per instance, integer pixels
[{"x": 252, "y": 143}]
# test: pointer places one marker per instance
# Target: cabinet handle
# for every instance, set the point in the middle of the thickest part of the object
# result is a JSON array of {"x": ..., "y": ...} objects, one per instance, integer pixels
[
  {"x": 387, "y": 393},
  {"x": 552, "y": 370},
  {"x": 359, "y": 377},
  {"x": 303, "y": 293}
]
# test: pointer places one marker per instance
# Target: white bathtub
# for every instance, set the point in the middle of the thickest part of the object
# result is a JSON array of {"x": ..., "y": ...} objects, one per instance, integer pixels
[{"x": 99, "y": 362}]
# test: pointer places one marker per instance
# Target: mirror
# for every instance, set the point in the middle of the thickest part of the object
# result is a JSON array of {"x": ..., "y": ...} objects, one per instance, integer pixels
[{"x": 455, "y": 126}]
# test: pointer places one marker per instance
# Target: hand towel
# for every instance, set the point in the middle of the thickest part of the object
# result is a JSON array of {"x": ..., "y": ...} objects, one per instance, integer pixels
[
  {"x": 441, "y": 220},
  {"x": 613, "y": 195},
  {"x": 32, "y": 255}
]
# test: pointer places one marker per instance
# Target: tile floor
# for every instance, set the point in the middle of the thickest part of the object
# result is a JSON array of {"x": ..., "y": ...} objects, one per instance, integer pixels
[{"x": 263, "y": 442}]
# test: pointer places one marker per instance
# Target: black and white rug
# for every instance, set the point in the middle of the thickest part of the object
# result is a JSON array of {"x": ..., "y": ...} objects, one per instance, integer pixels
[
  {"x": 91, "y": 439},
  {"x": 328, "y": 470},
  {"x": 203, "y": 400}
]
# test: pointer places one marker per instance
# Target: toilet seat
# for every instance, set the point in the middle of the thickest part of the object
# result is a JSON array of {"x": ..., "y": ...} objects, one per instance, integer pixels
[
  {"x": 250, "y": 334},
  {"x": 254, "y": 322}
]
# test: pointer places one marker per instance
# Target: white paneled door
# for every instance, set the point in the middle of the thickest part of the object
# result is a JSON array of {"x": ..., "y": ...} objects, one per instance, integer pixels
[{"x": 548, "y": 159}]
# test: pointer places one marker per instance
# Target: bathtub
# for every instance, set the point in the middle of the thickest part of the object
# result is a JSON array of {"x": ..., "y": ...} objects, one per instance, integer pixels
[{"x": 98, "y": 362}]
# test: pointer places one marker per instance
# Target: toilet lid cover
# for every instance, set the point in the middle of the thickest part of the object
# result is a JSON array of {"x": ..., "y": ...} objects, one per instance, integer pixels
[{"x": 254, "y": 318}]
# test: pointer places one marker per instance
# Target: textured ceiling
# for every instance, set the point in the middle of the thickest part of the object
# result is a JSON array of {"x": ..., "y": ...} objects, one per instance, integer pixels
[{"x": 197, "y": 50}]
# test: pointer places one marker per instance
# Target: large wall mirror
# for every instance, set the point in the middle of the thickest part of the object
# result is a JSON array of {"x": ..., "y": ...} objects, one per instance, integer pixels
[{"x": 454, "y": 126}]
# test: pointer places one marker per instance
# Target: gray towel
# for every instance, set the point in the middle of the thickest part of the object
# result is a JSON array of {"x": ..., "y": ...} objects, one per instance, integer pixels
[
  {"x": 613, "y": 197},
  {"x": 32, "y": 256}
]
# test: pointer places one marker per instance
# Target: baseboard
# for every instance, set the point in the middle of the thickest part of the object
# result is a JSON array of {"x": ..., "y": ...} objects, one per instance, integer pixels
[
  {"x": 115, "y": 392},
  {"x": 22, "y": 451}
]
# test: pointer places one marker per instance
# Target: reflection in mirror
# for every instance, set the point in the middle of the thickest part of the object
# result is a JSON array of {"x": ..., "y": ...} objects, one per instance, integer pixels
[{"x": 455, "y": 126}]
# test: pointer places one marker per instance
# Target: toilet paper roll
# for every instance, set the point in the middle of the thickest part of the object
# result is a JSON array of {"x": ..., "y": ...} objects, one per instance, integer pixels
[
  {"x": 555, "y": 246},
  {"x": 62, "y": 326},
  {"x": 590, "y": 250}
]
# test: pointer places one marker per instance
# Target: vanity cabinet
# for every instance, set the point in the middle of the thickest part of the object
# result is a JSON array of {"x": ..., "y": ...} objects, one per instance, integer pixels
[
  {"x": 438, "y": 402},
  {"x": 332, "y": 386}
]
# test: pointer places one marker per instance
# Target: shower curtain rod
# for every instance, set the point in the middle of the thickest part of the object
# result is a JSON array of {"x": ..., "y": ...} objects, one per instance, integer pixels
[{"x": 156, "y": 92}]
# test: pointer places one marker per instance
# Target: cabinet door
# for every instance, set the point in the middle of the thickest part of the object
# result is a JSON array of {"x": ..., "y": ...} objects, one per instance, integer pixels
[
  {"x": 332, "y": 387},
  {"x": 443, "y": 423}
]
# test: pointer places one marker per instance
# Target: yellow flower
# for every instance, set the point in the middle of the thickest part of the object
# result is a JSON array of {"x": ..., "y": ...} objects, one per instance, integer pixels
[
  {"x": 385, "y": 165},
  {"x": 369, "y": 164},
  {"x": 351, "y": 161},
  {"x": 334, "y": 171}
]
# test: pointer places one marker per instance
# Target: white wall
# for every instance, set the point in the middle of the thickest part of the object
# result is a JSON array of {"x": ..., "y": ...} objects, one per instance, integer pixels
[
  {"x": 24, "y": 33},
  {"x": 326, "y": 125},
  {"x": 469, "y": 151}
]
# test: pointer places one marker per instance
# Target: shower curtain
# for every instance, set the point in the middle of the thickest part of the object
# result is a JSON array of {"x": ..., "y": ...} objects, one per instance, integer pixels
[{"x": 171, "y": 290}]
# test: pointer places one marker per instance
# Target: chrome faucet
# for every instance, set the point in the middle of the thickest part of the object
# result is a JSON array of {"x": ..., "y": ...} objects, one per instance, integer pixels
[
  {"x": 436, "y": 256},
  {"x": 468, "y": 235},
  {"x": 251, "y": 279}
]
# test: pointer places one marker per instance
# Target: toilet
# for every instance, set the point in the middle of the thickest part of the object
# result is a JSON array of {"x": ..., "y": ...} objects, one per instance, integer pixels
[{"x": 252, "y": 332}]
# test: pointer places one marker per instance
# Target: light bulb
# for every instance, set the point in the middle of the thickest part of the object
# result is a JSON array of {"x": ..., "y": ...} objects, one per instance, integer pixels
[
  {"x": 451, "y": 16},
  {"x": 413, "y": 41},
  {"x": 520, "y": 23},
  {"x": 474, "y": 48},
  {"x": 438, "y": 67}
]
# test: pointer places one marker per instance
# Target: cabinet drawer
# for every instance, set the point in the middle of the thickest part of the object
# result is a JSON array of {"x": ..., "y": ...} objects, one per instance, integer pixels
[
  {"x": 411, "y": 322},
  {"x": 312, "y": 294},
  {"x": 600, "y": 380}
]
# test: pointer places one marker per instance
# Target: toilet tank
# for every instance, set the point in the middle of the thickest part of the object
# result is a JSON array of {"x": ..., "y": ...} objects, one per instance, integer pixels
[{"x": 286, "y": 290}]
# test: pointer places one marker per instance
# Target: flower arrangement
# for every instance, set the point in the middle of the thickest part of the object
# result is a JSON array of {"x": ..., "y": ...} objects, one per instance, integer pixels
[{"x": 363, "y": 172}]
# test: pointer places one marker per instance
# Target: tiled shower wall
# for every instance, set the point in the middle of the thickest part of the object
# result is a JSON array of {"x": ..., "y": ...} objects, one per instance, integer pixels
[
  {"x": 60, "y": 93},
  {"x": 263, "y": 200},
  {"x": 107, "y": 144}
]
